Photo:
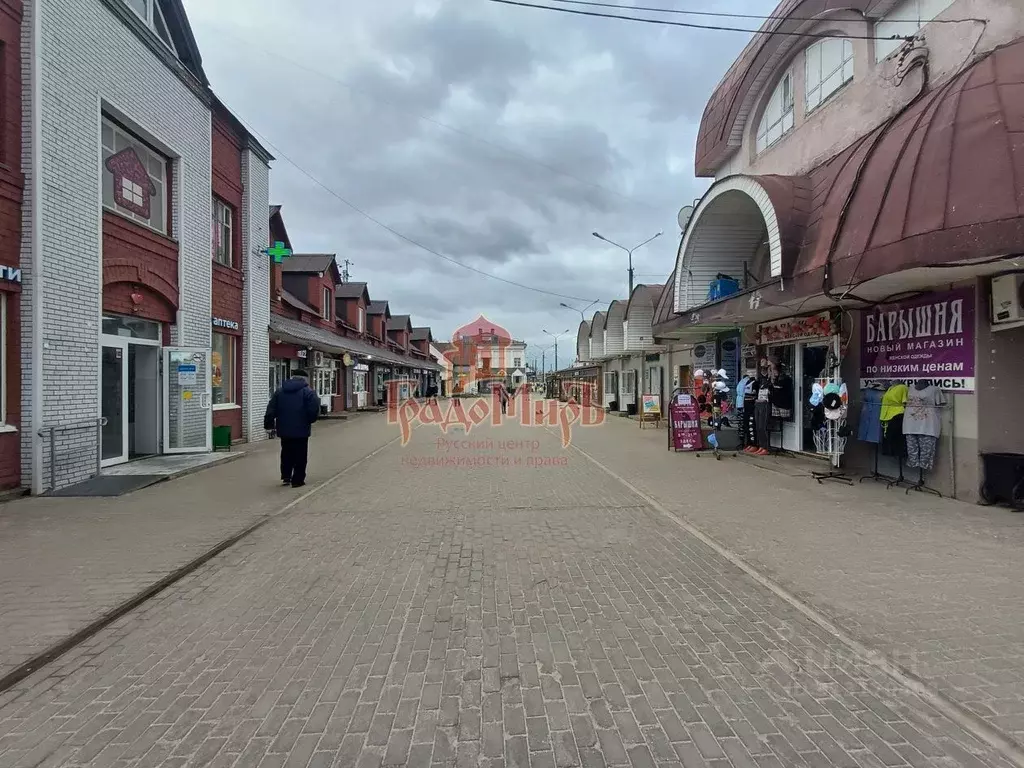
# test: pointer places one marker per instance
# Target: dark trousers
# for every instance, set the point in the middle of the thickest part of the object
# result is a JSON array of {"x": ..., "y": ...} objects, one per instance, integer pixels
[
  {"x": 294, "y": 453},
  {"x": 762, "y": 414}
]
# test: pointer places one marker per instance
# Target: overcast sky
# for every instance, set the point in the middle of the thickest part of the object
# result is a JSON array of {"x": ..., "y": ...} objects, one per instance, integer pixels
[{"x": 557, "y": 125}]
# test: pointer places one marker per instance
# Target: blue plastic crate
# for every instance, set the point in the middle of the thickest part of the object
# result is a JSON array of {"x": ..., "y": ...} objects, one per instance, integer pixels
[{"x": 722, "y": 287}]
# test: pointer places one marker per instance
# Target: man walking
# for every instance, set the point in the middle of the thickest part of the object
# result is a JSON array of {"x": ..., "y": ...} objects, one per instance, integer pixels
[{"x": 291, "y": 413}]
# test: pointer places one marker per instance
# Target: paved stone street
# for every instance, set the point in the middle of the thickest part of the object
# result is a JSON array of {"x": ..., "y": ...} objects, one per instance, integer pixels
[
  {"x": 519, "y": 606},
  {"x": 64, "y": 562},
  {"x": 935, "y": 584}
]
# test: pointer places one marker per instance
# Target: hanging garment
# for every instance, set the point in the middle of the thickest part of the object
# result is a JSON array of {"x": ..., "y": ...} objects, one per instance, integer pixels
[
  {"x": 893, "y": 442},
  {"x": 869, "y": 429},
  {"x": 923, "y": 415},
  {"x": 762, "y": 415},
  {"x": 781, "y": 397},
  {"x": 921, "y": 451},
  {"x": 893, "y": 402}
]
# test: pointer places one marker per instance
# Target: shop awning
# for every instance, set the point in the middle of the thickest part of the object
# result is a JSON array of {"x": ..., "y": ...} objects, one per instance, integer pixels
[
  {"x": 925, "y": 200},
  {"x": 293, "y": 332}
]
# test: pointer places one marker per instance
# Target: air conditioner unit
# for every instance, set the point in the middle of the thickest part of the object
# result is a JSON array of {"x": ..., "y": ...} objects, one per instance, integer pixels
[
  {"x": 1007, "y": 299},
  {"x": 318, "y": 359}
]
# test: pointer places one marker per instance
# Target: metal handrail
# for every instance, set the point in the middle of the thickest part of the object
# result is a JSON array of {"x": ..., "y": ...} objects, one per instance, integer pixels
[{"x": 53, "y": 429}]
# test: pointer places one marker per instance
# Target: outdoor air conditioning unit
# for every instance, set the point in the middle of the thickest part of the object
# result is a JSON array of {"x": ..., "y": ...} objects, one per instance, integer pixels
[
  {"x": 1007, "y": 300},
  {"x": 318, "y": 359}
]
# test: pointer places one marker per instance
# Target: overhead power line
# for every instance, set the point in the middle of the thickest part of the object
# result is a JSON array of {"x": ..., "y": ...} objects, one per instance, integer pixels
[
  {"x": 453, "y": 129},
  {"x": 721, "y": 14},
  {"x": 278, "y": 151},
  {"x": 691, "y": 25}
]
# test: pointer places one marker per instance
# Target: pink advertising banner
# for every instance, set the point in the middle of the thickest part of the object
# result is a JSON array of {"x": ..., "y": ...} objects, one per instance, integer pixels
[{"x": 929, "y": 337}]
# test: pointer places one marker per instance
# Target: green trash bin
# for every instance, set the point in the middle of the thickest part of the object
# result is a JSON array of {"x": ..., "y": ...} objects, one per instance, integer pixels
[{"x": 222, "y": 438}]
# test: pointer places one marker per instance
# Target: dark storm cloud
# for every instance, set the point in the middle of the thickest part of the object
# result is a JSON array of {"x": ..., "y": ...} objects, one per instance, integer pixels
[{"x": 574, "y": 125}]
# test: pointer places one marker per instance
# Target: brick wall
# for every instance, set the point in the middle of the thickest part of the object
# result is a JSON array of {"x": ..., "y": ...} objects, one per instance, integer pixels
[
  {"x": 11, "y": 185},
  {"x": 255, "y": 306},
  {"x": 227, "y": 297},
  {"x": 77, "y": 74}
]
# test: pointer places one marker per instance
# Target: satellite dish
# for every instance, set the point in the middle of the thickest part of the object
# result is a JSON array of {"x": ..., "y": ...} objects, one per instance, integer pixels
[{"x": 684, "y": 217}]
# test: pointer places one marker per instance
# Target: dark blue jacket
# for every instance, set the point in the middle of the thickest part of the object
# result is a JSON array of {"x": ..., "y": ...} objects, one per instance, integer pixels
[{"x": 292, "y": 409}]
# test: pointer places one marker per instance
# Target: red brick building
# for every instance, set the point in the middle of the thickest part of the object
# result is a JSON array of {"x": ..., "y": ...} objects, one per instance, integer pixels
[{"x": 11, "y": 189}]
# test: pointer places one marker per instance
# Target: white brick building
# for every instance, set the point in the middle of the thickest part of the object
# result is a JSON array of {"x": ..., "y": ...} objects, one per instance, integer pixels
[{"x": 116, "y": 247}]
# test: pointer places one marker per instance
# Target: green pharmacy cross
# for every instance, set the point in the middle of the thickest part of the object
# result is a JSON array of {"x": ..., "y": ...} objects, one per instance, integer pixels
[{"x": 278, "y": 252}]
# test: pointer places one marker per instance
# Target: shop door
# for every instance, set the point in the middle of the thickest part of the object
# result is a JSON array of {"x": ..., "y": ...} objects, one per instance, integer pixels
[
  {"x": 188, "y": 415},
  {"x": 114, "y": 401}
]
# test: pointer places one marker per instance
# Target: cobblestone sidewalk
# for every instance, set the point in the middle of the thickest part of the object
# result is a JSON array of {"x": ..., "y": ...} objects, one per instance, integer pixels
[
  {"x": 65, "y": 562},
  {"x": 485, "y": 613},
  {"x": 935, "y": 584}
]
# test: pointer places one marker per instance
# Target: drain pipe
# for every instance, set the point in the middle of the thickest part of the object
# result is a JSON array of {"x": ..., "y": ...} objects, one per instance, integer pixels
[
  {"x": 952, "y": 446},
  {"x": 35, "y": 251}
]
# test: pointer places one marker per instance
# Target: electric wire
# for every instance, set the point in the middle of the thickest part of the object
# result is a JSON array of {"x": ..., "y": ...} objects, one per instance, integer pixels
[
  {"x": 278, "y": 151},
  {"x": 726, "y": 14},
  {"x": 691, "y": 25}
]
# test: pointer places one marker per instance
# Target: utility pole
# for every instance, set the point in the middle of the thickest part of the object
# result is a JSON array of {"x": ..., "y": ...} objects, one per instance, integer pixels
[
  {"x": 344, "y": 270},
  {"x": 629, "y": 251}
]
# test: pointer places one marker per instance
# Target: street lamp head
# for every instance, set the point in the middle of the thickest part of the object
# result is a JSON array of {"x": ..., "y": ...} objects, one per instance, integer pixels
[
  {"x": 597, "y": 235},
  {"x": 563, "y": 304}
]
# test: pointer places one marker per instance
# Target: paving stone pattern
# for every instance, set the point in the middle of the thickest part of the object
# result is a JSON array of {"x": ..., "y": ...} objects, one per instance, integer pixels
[
  {"x": 64, "y": 562},
  {"x": 485, "y": 616},
  {"x": 934, "y": 584}
]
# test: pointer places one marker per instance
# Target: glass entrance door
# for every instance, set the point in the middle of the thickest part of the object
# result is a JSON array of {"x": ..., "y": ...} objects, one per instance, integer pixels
[
  {"x": 188, "y": 412},
  {"x": 114, "y": 402}
]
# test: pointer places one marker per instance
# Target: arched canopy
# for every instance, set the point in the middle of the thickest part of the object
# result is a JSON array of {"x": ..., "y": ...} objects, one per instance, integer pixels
[
  {"x": 583, "y": 342},
  {"x": 638, "y": 317},
  {"x": 597, "y": 336},
  {"x": 614, "y": 340},
  {"x": 744, "y": 227}
]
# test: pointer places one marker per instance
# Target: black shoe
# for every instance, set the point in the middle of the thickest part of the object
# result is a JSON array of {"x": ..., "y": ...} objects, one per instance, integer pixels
[
  {"x": 297, "y": 485},
  {"x": 285, "y": 481}
]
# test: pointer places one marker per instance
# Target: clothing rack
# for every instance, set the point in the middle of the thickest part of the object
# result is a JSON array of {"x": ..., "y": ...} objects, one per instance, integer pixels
[
  {"x": 920, "y": 486},
  {"x": 875, "y": 475}
]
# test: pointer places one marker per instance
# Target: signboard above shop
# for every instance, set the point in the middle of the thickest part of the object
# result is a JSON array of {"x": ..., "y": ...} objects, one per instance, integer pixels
[
  {"x": 930, "y": 337},
  {"x": 220, "y": 322},
  {"x": 819, "y": 326}
]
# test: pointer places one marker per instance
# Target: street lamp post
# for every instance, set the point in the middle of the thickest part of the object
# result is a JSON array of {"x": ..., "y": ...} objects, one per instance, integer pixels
[
  {"x": 556, "y": 336},
  {"x": 629, "y": 251},
  {"x": 583, "y": 317}
]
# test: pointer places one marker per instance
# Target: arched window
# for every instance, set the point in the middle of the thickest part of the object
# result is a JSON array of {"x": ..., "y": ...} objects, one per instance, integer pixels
[
  {"x": 828, "y": 66},
  {"x": 777, "y": 119}
]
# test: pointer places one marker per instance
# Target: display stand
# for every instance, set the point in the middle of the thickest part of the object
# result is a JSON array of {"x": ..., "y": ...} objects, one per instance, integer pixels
[
  {"x": 875, "y": 474},
  {"x": 920, "y": 486},
  {"x": 901, "y": 480},
  {"x": 834, "y": 443},
  {"x": 835, "y": 447}
]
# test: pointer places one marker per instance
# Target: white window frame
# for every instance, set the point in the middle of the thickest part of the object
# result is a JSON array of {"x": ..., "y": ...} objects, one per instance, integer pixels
[
  {"x": 230, "y": 393},
  {"x": 154, "y": 18},
  {"x": 819, "y": 85},
  {"x": 147, "y": 155},
  {"x": 362, "y": 320},
  {"x": 325, "y": 311},
  {"x": 779, "y": 113},
  {"x": 279, "y": 374},
  {"x": 223, "y": 220},
  {"x": 904, "y": 19}
]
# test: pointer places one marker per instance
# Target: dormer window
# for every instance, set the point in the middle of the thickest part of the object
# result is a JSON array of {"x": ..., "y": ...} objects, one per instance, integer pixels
[
  {"x": 828, "y": 67},
  {"x": 149, "y": 11},
  {"x": 777, "y": 119}
]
